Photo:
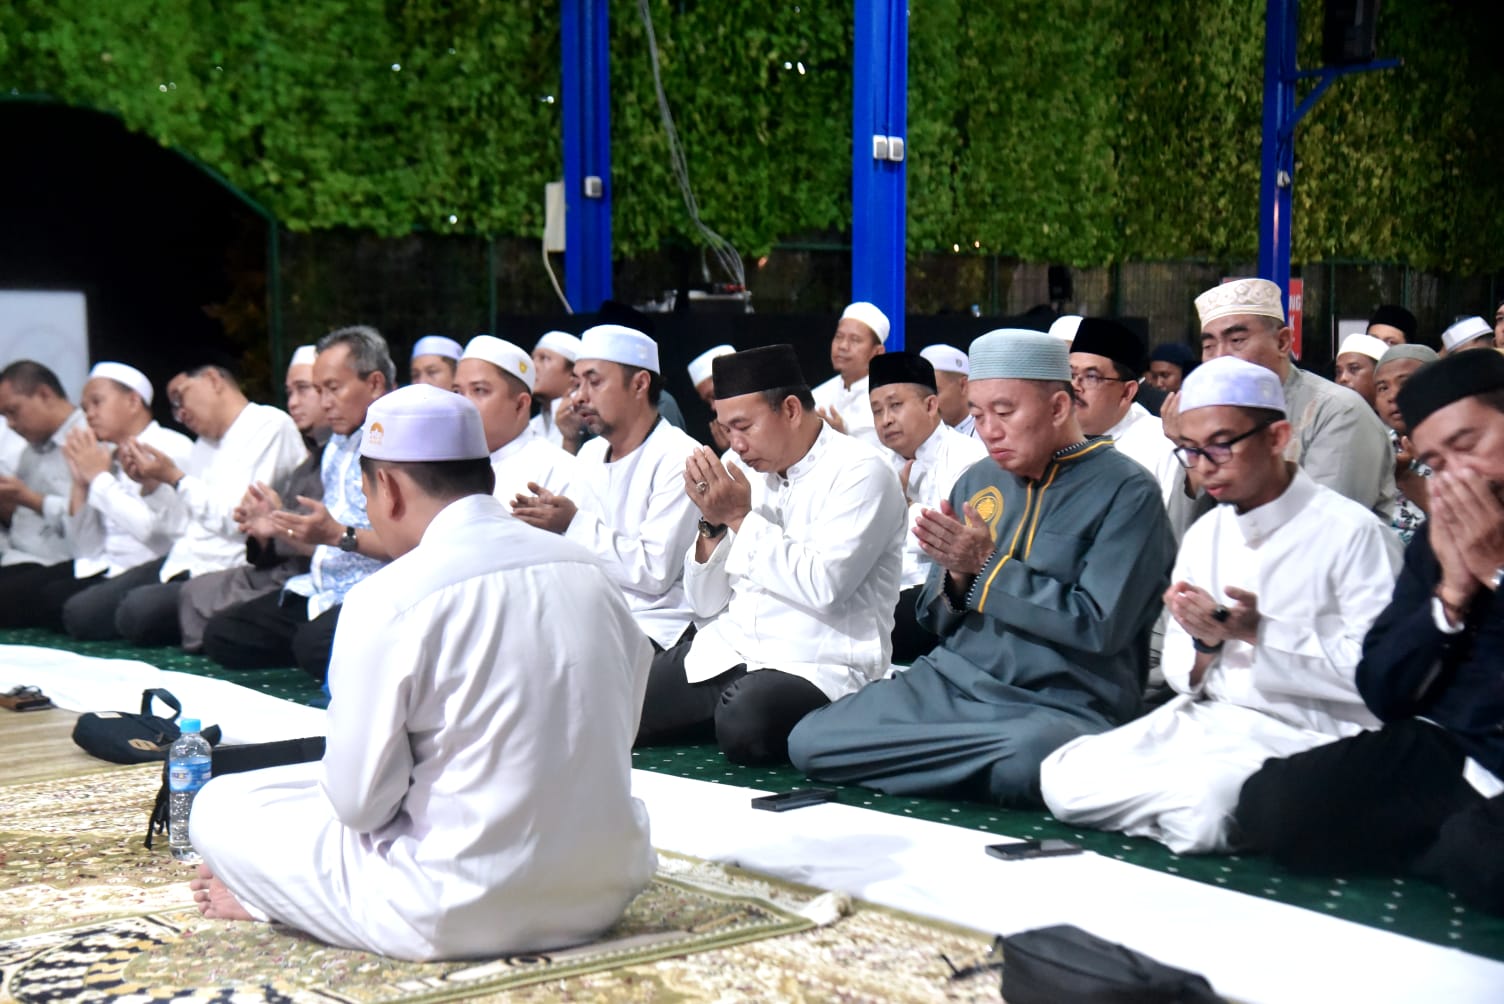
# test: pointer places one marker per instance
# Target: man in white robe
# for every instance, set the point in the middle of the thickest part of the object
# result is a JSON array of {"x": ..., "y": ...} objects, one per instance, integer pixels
[
  {"x": 928, "y": 456},
  {"x": 1264, "y": 641},
  {"x": 474, "y": 799},
  {"x": 497, "y": 377},
  {"x": 434, "y": 360},
  {"x": 796, "y": 568},
  {"x": 842, "y": 400},
  {"x": 952, "y": 374},
  {"x": 553, "y": 384},
  {"x": 635, "y": 469}
]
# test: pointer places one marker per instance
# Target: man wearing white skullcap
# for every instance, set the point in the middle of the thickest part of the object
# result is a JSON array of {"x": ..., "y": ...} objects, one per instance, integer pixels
[
  {"x": 952, "y": 371},
  {"x": 842, "y": 400},
  {"x": 239, "y": 443},
  {"x": 701, "y": 376},
  {"x": 1263, "y": 643},
  {"x": 434, "y": 360},
  {"x": 498, "y": 378},
  {"x": 635, "y": 469},
  {"x": 1049, "y": 564},
  {"x": 1336, "y": 437},
  {"x": 109, "y": 526},
  {"x": 35, "y": 499},
  {"x": 1356, "y": 358},
  {"x": 553, "y": 383},
  {"x": 1467, "y": 334},
  {"x": 270, "y": 563},
  {"x": 474, "y": 798},
  {"x": 295, "y": 626}
]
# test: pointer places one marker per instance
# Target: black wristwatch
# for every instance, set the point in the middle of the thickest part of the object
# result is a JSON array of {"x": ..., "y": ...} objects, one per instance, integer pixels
[
  {"x": 711, "y": 531},
  {"x": 348, "y": 541},
  {"x": 1202, "y": 646}
]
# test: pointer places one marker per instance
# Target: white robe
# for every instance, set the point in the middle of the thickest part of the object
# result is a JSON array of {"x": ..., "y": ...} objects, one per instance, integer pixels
[
  {"x": 544, "y": 423},
  {"x": 1140, "y": 436},
  {"x": 117, "y": 528},
  {"x": 853, "y": 404},
  {"x": 262, "y": 444},
  {"x": 808, "y": 584},
  {"x": 475, "y": 796},
  {"x": 942, "y": 458},
  {"x": 1323, "y": 568},
  {"x": 532, "y": 458},
  {"x": 643, "y": 526}
]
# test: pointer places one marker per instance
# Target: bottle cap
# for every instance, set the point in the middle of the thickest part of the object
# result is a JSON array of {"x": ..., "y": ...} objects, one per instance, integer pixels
[{"x": 189, "y": 725}]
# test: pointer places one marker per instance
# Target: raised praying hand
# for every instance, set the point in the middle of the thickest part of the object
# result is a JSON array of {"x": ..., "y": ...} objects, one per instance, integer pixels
[
  {"x": 961, "y": 548},
  {"x": 544, "y": 509}
]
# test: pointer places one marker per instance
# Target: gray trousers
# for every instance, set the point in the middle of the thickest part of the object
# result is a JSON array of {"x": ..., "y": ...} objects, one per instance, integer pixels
[
  {"x": 203, "y": 596},
  {"x": 134, "y": 605},
  {"x": 915, "y": 734}
]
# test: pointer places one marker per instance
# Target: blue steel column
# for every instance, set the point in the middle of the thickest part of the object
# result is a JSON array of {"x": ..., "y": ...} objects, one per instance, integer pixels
[
  {"x": 586, "y": 94},
  {"x": 879, "y": 107},
  {"x": 1278, "y": 158}
]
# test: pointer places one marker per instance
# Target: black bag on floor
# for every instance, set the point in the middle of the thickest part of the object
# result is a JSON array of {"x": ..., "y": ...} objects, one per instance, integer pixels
[
  {"x": 234, "y": 760},
  {"x": 123, "y": 737},
  {"x": 1050, "y": 965}
]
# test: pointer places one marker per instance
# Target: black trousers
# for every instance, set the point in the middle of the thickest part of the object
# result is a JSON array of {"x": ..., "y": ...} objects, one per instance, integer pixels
[
  {"x": 270, "y": 632},
  {"x": 135, "y": 605},
  {"x": 1387, "y": 801},
  {"x": 33, "y": 595},
  {"x": 910, "y": 638},
  {"x": 748, "y": 713}
]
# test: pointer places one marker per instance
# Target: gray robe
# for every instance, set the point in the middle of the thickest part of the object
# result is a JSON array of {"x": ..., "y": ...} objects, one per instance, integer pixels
[{"x": 1052, "y": 643}]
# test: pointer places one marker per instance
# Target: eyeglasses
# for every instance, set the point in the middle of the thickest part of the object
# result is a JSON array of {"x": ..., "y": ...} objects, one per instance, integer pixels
[
  {"x": 1091, "y": 380},
  {"x": 1216, "y": 454}
]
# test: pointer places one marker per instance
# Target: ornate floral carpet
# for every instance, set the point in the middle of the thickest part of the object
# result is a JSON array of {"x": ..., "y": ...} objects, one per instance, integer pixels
[{"x": 88, "y": 914}]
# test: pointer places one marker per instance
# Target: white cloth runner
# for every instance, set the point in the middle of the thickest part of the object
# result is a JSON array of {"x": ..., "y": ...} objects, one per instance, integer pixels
[
  {"x": 84, "y": 683},
  {"x": 1251, "y": 949}
]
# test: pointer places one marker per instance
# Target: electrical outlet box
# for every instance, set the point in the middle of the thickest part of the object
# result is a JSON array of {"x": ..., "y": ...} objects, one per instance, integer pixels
[
  {"x": 879, "y": 148},
  {"x": 553, "y": 216}
]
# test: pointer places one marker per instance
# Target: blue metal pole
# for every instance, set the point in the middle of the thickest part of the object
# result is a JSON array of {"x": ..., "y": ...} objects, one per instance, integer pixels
[
  {"x": 879, "y": 140},
  {"x": 586, "y": 93},
  {"x": 1277, "y": 170}
]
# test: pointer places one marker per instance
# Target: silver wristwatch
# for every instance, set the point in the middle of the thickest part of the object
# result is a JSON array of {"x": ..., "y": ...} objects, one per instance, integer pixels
[{"x": 348, "y": 541}]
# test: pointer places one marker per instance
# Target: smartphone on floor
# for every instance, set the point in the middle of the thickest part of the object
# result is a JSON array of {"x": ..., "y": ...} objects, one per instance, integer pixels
[{"x": 1025, "y": 849}]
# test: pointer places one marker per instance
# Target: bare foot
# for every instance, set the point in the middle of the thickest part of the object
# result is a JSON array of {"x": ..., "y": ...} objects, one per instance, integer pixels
[{"x": 214, "y": 900}]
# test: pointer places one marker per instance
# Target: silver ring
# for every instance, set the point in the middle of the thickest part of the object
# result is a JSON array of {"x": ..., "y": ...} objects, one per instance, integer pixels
[
  {"x": 289, "y": 533},
  {"x": 702, "y": 487}
]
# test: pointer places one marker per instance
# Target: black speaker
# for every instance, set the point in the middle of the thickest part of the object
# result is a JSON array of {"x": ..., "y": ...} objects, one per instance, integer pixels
[
  {"x": 1350, "y": 32},
  {"x": 1062, "y": 289}
]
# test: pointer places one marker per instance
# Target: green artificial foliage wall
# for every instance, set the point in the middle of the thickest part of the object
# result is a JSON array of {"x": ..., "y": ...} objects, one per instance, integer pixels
[{"x": 1079, "y": 131}]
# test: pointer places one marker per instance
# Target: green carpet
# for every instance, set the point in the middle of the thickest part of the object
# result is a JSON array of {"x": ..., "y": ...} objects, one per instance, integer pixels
[{"x": 1406, "y": 906}]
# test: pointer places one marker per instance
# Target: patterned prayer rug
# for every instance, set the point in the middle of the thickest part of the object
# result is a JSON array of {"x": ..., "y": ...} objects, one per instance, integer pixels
[{"x": 88, "y": 914}]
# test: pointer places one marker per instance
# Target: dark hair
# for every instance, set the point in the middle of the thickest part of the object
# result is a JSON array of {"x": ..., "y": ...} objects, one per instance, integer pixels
[
  {"x": 655, "y": 381},
  {"x": 1049, "y": 388},
  {"x": 441, "y": 479},
  {"x": 224, "y": 373},
  {"x": 1124, "y": 372},
  {"x": 25, "y": 376},
  {"x": 777, "y": 395}
]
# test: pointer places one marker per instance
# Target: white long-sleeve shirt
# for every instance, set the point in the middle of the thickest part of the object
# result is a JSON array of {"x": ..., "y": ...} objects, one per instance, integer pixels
[
  {"x": 942, "y": 458},
  {"x": 262, "y": 444},
  {"x": 474, "y": 799},
  {"x": 644, "y": 523},
  {"x": 1323, "y": 568},
  {"x": 808, "y": 584},
  {"x": 533, "y": 458},
  {"x": 117, "y": 528},
  {"x": 853, "y": 405},
  {"x": 1140, "y": 436}
]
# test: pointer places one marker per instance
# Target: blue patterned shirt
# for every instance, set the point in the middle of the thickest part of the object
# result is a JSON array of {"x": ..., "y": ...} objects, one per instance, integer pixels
[{"x": 334, "y": 571}]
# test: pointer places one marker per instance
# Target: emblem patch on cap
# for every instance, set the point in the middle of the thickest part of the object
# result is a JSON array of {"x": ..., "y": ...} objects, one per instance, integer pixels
[{"x": 376, "y": 434}]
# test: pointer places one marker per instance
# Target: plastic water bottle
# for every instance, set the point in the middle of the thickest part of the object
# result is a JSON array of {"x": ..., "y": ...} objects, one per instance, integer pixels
[{"x": 188, "y": 767}]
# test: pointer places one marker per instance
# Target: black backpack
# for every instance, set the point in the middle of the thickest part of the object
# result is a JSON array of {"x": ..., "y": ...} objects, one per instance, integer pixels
[{"x": 123, "y": 737}]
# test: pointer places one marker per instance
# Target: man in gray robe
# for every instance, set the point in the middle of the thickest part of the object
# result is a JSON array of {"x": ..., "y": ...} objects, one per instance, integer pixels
[{"x": 1049, "y": 567}]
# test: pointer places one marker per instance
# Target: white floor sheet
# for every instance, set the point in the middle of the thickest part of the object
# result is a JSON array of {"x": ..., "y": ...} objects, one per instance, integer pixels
[{"x": 1251, "y": 949}]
